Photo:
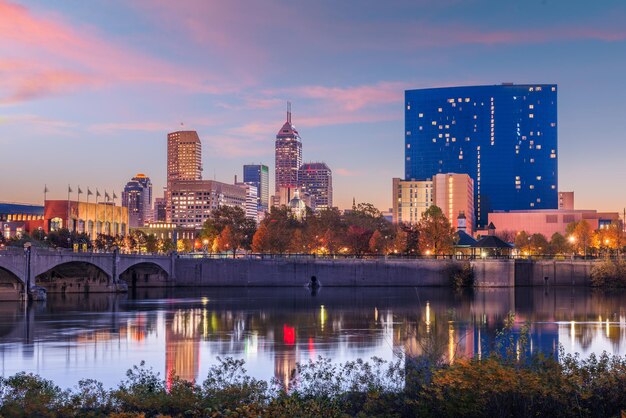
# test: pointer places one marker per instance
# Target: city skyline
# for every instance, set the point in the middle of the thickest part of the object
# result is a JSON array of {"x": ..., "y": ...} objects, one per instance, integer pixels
[{"x": 79, "y": 83}]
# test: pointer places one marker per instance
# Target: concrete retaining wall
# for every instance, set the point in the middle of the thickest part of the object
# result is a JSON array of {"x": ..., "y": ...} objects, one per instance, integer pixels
[
  {"x": 228, "y": 272},
  {"x": 294, "y": 272},
  {"x": 553, "y": 273}
]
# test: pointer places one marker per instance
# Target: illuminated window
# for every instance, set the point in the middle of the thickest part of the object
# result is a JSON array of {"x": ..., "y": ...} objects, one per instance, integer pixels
[{"x": 421, "y": 115}]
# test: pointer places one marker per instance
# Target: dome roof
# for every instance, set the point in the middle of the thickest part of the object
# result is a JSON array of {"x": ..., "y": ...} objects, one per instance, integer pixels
[{"x": 296, "y": 202}]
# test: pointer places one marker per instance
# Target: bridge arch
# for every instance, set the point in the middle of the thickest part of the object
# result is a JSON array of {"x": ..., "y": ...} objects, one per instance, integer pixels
[
  {"x": 11, "y": 285},
  {"x": 74, "y": 276},
  {"x": 145, "y": 274}
]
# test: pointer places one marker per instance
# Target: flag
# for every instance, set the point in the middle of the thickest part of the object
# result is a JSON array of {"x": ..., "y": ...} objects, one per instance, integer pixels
[
  {"x": 98, "y": 193},
  {"x": 89, "y": 192},
  {"x": 106, "y": 196},
  {"x": 69, "y": 189},
  {"x": 79, "y": 191},
  {"x": 114, "y": 196},
  {"x": 45, "y": 189}
]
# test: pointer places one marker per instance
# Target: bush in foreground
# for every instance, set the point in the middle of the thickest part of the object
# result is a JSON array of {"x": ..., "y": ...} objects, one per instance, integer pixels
[{"x": 506, "y": 383}]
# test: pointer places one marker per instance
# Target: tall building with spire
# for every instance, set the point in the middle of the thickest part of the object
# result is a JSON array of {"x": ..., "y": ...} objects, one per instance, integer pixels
[{"x": 288, "y": 149}]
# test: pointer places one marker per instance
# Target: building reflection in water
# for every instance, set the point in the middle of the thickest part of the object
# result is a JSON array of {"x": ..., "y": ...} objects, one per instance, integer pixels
[{"x": 274, "y": 329}]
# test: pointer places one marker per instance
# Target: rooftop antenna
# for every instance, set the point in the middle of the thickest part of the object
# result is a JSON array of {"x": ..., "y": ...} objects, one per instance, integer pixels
[{"x": 289, "y": 112}]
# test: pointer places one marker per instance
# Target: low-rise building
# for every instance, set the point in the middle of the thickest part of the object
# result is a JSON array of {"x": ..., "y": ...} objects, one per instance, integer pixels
[
  {"x": 548, "y": 221},
  {"x": 17, "y": 219},
  {"x": 193, "y": 200},
  {"x": 82, "y": 217}
]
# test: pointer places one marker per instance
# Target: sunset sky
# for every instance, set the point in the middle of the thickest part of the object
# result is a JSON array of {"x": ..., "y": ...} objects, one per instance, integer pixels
[{"x": 89, "y": 89}]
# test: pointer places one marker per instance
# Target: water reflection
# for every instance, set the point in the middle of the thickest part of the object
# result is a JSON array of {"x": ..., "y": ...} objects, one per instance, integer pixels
[{"x": 100, "y": 336}]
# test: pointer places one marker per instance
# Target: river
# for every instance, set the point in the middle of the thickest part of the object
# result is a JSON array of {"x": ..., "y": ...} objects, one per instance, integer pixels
[{"x": 100, "y": 336}]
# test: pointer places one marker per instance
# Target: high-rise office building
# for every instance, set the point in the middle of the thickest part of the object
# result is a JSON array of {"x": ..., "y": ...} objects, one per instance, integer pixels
[
  {"x": 160, "y": 209},
  {"x": 259, "y": 176},
  {"x": 184, "y": 162},
  {"x": 316, "y": 179},
  {"x": 410, "y": 199},
  {"x": 452, "y": 193},
  {"x": 137, "y": 197},
  {"x": 251, "y": 205},
  {"x": 184, "y": 156},
  {"x": 503, "y": 136},
  {"x": 288, "y": 152}
]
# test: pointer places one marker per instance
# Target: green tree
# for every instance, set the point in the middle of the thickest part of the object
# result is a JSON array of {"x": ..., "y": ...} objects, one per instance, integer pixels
[
  {"x": 242, "y": 228},
  {"x": 558, "y": 244},
  {"x": 522, "y": 242},
  {"x": 152, "y": 243},
  {"x": 538, "y": 244},
  {"x": 436, "y": 234}
]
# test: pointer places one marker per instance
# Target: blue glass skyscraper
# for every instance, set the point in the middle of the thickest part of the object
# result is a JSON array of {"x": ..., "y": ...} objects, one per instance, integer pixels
[
  {"x": 259, "y": 176},
  {"x": 503, "y": 136}
]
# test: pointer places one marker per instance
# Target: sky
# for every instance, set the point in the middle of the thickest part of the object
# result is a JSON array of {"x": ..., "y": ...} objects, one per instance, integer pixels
[{"x": 89, "y": 89}]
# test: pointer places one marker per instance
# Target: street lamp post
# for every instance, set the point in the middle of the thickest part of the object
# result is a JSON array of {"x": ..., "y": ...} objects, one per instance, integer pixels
[{"x": 205, "y": 242}]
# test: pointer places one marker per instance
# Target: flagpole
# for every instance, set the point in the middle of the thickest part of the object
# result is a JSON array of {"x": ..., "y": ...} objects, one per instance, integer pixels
[{"x": 69, "y": 190}]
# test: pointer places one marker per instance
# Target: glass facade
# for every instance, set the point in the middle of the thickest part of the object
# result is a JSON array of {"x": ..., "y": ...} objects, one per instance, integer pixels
[
  {"x": 316, "y": 179},
  {"x": 288, "y": 153},
  {"x": 259, "y": 176},
  {"x": 503, "y": 136}
]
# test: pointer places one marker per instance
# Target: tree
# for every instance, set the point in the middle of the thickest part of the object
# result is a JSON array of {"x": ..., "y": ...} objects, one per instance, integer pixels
[
  {"x": 522, "y": 242},
  {"x": 260, "y": 242},
  {"x": 412, "y": 237},
  {"x": 357, "y": 240},
  {"x": 580, "y": 235},
  {"x": 229, "y": 240},
  {"x": 152, "y": 243},
  {"x": 400, "y": 241},
  {"x": 610, "y": 238},
  {"x": 279, "y": 226},
  {"x": 242, "y": 228},
  {"x": 558, "y": 244},
  {"x": 538, "y": 244},
  {"x": 436, "y": 235},
  {"x": 298, "y": 244},
  {"x": 506, "y": 235},
  {"x": 166, "y": 245},
  {"x": 377, "y": 243}
]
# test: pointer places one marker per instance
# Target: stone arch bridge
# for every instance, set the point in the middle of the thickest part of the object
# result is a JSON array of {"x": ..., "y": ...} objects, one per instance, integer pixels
[{"x": 62, "y": 270}]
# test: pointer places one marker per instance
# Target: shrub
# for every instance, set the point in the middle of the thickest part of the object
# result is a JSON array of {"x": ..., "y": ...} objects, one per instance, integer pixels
[
  {"x": 609, "y": 273},
  {"x": 461, "y": 274},
  {"x": 496, "y": 385}
]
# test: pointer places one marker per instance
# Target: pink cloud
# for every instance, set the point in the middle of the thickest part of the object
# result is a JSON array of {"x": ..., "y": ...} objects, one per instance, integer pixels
[
  {"x": 354, "y": 98},
  {"x": 48, "y": 55}
]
